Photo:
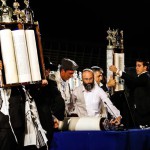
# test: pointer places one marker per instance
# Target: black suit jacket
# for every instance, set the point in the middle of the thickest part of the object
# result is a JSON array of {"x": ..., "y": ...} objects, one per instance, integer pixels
[
  {"x": 16, "y": 110},
  {"x": 140, "y": 95},
  {"x": 49, "y": 101}
]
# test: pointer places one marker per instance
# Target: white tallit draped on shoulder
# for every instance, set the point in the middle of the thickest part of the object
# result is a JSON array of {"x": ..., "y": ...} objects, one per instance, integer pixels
[{"x": 34, "y": 133}]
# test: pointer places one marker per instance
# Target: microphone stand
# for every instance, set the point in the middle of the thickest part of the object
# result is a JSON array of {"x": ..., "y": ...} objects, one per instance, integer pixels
[
  {"x": 110, "y": 109},
  {"x": 129, "y": 108},
  {"x": 114, "y": 127}
]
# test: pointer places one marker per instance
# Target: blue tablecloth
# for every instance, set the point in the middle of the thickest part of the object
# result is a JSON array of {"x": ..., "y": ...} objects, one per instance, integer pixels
[{"x": 134, "y": 139}]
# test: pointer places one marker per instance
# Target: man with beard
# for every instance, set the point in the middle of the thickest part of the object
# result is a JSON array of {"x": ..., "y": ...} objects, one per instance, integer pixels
[{"x": 89, "y": 98}]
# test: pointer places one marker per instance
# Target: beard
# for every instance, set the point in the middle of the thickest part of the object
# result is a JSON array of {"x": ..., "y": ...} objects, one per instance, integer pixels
[{"x": 88, "y": 86}]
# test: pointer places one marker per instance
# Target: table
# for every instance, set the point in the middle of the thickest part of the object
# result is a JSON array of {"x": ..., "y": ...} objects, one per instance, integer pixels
[{"x": 133, "y": 139}]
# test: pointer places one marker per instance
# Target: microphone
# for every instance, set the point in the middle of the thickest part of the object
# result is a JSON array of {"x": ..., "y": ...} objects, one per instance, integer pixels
[
  {"x": 115, "y": 127},
  {"x": 110, "y": 110}
]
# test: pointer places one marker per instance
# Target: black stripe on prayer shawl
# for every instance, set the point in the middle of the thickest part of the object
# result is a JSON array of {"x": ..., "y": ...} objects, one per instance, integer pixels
[{"x": 40, "y": 139}]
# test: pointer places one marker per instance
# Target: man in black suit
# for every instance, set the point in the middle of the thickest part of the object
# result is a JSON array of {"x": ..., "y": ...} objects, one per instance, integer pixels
[
  {"x": 139, "y": 91},
  {"x": 12, "y": 117},
  {"x": 49, "y": 102}
]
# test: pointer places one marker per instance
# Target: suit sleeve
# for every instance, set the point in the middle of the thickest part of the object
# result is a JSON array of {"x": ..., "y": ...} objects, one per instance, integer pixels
[{"x": 57, "y": 103}]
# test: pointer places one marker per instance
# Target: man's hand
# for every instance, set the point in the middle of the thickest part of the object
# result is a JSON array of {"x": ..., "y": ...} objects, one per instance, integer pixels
[
  {"x": 111, "y": 82},
  {"x": 44, "y": 82},
  {"x": 56, "y": 123},
  {"x": 1, "y": 65},
  {"x": 113, "y": 68},
  {"x": 116, "y": 121}
]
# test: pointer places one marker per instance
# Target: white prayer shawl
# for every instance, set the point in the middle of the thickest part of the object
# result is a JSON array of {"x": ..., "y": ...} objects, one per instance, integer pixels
[
  {"x": 5, "y": 95},
  {"x": 34, "y": 133},
  {"x": 64, "y": 88}
]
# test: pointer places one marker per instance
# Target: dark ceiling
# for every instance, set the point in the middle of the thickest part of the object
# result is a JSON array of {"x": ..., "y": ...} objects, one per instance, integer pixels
[{"x": 88, "y": 21}]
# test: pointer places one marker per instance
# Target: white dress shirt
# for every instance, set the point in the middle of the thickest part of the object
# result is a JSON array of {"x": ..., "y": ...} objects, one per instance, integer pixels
[
  {"x": 64, "y": 88},
  {"x": 93, "y": 102}
]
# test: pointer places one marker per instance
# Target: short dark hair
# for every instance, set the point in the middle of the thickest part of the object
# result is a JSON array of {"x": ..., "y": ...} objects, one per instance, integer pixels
[
  {"x": 145, "y": 62},
  {"x": 68, "y": 64}
]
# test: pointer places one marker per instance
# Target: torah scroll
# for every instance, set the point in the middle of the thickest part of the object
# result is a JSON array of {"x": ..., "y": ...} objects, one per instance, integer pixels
[
  {"x": 84, "y": 123},
  {"x": 19, "y": 56},
  {"x": 119, "y": 63}
]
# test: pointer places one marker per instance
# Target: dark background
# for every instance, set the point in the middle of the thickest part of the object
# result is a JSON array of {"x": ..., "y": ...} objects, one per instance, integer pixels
[
  {"x": 78, "y": 28},
  {"x": 89, "y": 20}
]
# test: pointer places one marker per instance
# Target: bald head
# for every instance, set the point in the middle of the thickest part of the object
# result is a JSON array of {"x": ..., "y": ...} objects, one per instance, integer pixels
[
  {"x": 88, "y": 79},
  {"x": 87, "y": 76}
]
